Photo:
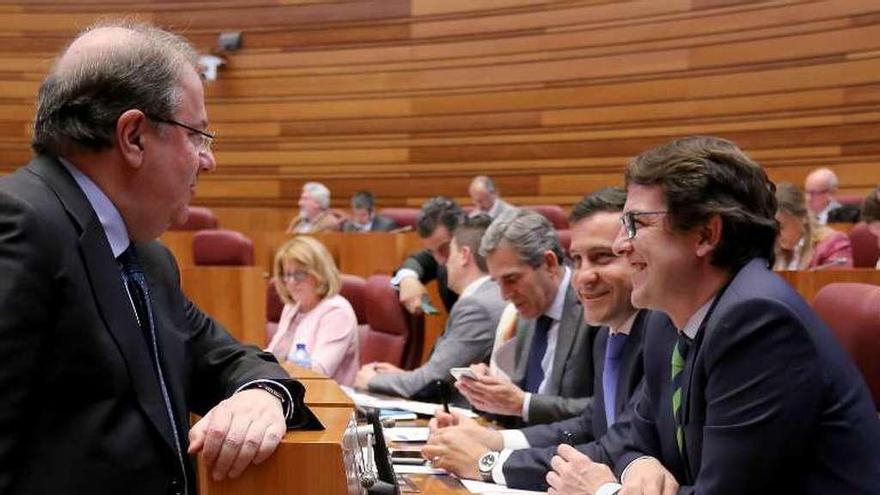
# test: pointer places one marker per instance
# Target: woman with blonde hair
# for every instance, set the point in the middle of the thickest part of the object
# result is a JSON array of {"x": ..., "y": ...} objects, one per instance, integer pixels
[
  {"x": 314, "y": 313},
  {"x": 802, "y": 243}
]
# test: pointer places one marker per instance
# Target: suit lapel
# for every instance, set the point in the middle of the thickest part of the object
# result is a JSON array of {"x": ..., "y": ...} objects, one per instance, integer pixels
[
  {"x": 599, "y": 418},
  {"x": 632, "y": 356},
  {"x": 569, "y": 326},
  {"x": 105, "y": 278}
]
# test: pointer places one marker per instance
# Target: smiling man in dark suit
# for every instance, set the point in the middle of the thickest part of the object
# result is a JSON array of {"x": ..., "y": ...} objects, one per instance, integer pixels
[
  {"x": 746, "y": 389},
  {"x": 103, "y": 356}
]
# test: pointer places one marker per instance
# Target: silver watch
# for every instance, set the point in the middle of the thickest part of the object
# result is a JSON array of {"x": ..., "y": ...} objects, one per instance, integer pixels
[{"x": 486, "y": 464}]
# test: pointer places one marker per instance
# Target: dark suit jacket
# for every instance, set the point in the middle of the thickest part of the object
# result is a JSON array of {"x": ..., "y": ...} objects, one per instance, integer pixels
[
  {"x": 525, "y": 469},
  {"x": 773, "y": 404},
  {"x": 380, "y": 224},
  {"x": 570, "y": 387},
  {"x": 844, "y": 214},
  {"x": 423, "y": 263},
  {"x": 83, "y": 412}
]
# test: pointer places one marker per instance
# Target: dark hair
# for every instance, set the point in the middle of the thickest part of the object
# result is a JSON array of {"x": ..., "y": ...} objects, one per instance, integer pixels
[
  {"x": 363, "y": 200},
  {"x": 704, "y": 176},
  {"x": 607, "y": 199},
  {"x": 871, "y": 207},
  {"x": 470, "y": 233},
  {"x": 81, "y": 100},
  {"x": 437, "y": 211}
]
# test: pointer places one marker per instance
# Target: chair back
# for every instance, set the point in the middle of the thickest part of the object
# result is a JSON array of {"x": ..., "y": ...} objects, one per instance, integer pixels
[
  {"x": 393, "y": 335},
  {"x": 554, "y": 213},
  {"x": 404, "y": 217},
  {"x": 220, "y": 247},
  {"x": 853, "y": 312},
  {"x": 864, "y": 246},
  {"x": 199, "y": 218}
]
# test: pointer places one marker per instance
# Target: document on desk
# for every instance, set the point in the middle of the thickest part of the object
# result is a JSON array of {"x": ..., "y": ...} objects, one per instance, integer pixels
[
  {"x": 493, "y": 489},
  {"x": 407, "y": 433},
  {"x": 424, "y": 408},
  {"x": 417, "y": 469}
]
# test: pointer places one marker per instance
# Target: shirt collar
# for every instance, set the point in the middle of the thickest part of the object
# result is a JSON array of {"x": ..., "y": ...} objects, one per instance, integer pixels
[
  {"x": 555, "y": 309},
  {"x": 473, "y": 286},
  {"x": 627, "y": 325},
  {"x": 692, "y": 326},
  {"x": 108, "y": 215},
  {"x": 822, "y": 216}
]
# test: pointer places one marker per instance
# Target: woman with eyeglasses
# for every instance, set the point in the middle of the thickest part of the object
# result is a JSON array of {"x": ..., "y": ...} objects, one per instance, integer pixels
[
  {"x": 802, "y": 243},
  {"x": 314, "y": 313}
]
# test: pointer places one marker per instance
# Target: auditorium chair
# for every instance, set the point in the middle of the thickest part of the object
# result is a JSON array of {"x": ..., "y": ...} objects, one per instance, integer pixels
[
  {"x": 274, "y": 306},
  {"x": 554, "y": 213},
  {"x": 853, "y": 312},
  {"x": 393, "y": 335},
  {"x": 864, "y": 246},
  {"x": 220, "y": 247},
  {"x": 565, "y": 240},
  {"x": 402, "y": 216},
  {"x": 199, "y": 218}
]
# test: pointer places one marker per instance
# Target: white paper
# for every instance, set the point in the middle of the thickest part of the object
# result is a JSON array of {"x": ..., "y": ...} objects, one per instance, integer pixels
[
  {"x": 425, "y": 408},
  {"x": 491, "y": 488},
  {"x": 407, "y": 433},
  {"x": 417, "y": 469}
]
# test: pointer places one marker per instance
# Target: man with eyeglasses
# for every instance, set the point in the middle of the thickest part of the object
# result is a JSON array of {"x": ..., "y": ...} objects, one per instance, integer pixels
[
  {"x": 437, "y": 221},
  {"x": 820, "y": 188},
  {"x": 103, "y": 356},
  {"x": 746, "y": 389}
]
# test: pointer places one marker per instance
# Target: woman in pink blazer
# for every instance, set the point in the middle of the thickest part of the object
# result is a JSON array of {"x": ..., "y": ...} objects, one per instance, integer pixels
[
  {"x": 314, "y": 313},
  {"x": 803, "y": 244}
]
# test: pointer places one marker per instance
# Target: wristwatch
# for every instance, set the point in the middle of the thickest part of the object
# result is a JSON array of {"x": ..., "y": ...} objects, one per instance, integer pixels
[{"x": 486, "y": 464}]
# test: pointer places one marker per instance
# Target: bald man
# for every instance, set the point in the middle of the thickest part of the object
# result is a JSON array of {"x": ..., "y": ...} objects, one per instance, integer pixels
[
  {"x": 820, "y": 188},
  {"x": 484, "y": 195},
  {"x": 103, "y": 356}
]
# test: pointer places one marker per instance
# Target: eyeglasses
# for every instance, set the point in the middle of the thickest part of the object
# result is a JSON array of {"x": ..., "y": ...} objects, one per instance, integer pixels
[
  {"x": 296, "y": 276},
  {"x": 628, "y": 220},
  {"x": 206, "y": 139}
]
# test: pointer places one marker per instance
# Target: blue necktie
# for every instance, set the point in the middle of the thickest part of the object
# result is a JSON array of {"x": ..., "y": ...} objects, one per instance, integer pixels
[
  {"x": 610, "y": 373},
  {"x": 139, "y": 295},
  {"x": 534, "y": 371}
]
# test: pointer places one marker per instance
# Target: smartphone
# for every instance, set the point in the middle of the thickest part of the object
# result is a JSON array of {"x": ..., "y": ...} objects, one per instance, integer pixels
[
  {"x": 406, "y": 457},
  {"x": 460, "y": 373},
  {"x": 427, "y": 307}
]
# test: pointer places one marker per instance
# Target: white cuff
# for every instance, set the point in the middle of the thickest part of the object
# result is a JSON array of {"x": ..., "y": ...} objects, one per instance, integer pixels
[
  {"x": 514, "y": 439},
  {"x": 608, "y": 489},
  {"x": 525, "y": 410},
  {"x": 402, "y": 274},
  {"x": 288, "y": 413},
  {"x": 498, "y": 470}
]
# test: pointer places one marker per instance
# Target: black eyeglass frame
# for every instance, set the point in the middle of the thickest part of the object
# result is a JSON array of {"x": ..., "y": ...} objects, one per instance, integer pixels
[
  {"x": 628, "y": 220},
  {"x": 209, "y": 136}
]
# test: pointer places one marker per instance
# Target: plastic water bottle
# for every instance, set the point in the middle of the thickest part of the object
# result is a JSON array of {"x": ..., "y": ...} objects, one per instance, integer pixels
[{"x": 301, "y": 357}]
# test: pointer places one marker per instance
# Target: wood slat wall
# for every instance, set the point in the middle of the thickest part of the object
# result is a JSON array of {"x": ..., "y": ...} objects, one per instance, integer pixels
[{"x": 412, "y": 98}]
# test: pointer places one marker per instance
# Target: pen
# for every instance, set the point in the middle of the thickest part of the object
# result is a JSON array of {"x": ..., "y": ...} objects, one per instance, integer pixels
[{"x": 444, "y": 394}]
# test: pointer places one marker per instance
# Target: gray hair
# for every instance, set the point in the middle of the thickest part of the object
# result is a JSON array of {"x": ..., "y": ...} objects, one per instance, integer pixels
[
  {"x": 319, "y": 193},
  {"x": 84, "y": 95},
  {"x": 529, "y": 233},
  {"x": 486, "y": 182}
]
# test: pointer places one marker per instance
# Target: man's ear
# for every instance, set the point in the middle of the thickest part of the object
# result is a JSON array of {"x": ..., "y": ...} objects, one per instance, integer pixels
[
  {"x": 551, "y": 261},
  {"x": 709, "y": 236},
  {"x": 130, "y": 129}
]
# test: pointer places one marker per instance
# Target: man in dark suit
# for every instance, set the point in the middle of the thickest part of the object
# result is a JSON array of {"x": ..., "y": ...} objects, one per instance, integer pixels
[
  {"x": 364, "y": 217},
  {"x": 746, "y": 390},
  {"x": 437, "y": 221},
  {"x": 552, "y": 375},
  {"x": 602, "y": 282},
  {"x": 103, "y": 356}
]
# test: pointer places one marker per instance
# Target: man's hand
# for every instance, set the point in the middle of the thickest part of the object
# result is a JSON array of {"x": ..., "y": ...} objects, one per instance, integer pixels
[
  {"x": 243, "y": 429},
  {"x": 443, "y": 419},
  {"x": 575, "y": 474},
  {"x": 411, "y": 292},
  {"x": 646, "y": 476},
  {"x": 455, "y": 450},
  {"x": 494, "y": 394},
  {"x": 386, "y": 368},
  {"x": 363, "y": 376}
]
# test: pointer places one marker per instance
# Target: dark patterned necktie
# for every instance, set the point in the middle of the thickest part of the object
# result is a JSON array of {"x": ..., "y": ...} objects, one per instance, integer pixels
[
  {"x": 534, "y": 371},
  {"x": 610, "y": 374},
  {"x": 679, "y": 357},
  {"x": 139, "y": 295}
]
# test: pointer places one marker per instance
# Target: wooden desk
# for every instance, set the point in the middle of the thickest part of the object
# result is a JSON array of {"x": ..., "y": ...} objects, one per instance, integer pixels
[
  {"x": 234, "y": 296},
  {"x": 808, "y": 283}
]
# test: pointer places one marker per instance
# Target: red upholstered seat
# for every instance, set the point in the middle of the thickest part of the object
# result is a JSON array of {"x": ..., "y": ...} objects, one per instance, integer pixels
[
  {"x": 565, "y": 240},
  {"x": 864, "y": 246},
  {"x": 219, "y": 247},
  {"x": 199, "y": 218},
  {"x": 853, "y": 313},
  {"x": 402, "y": 216},
  {"x": 353, "y": 289},
  {"x": 393, "y": 334},
  {"x": 850, "y": 200},
  {"x": 554, "y": 213}
]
